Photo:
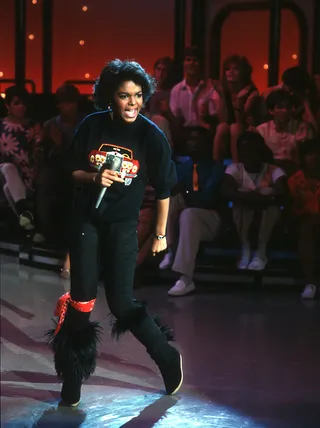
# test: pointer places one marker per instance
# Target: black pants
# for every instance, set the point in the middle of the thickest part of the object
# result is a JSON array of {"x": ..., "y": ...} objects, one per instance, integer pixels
[{"x": 114, "y": 247}]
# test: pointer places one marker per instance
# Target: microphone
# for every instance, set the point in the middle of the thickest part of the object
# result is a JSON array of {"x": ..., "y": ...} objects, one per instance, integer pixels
[{"x": 113, "y": 163}]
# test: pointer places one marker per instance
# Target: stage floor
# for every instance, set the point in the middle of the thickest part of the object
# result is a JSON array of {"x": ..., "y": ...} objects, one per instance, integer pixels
[{"x": 250, "y": 359}]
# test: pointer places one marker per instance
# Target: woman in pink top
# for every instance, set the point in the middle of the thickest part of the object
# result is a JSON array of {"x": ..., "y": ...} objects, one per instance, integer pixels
[{"x": 282, "y": 133}]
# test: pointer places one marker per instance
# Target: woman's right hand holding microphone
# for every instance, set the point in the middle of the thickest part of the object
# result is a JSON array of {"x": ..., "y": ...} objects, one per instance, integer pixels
[{"x": 107, "y": 177}]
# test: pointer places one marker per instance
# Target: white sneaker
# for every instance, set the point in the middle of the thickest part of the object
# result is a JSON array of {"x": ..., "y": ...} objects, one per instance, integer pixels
[
  {"x": 309, "y": 292},
  {"x": 244, "y": 262},
  {"x": 257, "y": 263},
  {"x": 166, "y": 262},
  {"x": 26, "y": 220},
  {"x": 181, "y": 289}
]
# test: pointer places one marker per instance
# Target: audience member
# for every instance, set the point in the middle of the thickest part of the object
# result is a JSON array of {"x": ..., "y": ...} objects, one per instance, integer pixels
[
  {"x": 298, "y": 83},
  {"x": 193, "y": 204},
  {"x": 19, "y": 137},
  {"x": 255, "y": 187},
  {"x": 305, "y": 189},
  {"x": 157, "y": 108},
  {"x": 239, "y": 107},
  {"x": 282, "y": 133},
  {"x": 194, "y": 101},
  {"x": 159, "y": 102},
  {"x": 53, "y": 185},
  {"x": 61, "y": 129}
]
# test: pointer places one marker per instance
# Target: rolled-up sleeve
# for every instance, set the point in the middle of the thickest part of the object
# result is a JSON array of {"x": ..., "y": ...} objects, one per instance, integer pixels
[{"x": 160, "y": 168}]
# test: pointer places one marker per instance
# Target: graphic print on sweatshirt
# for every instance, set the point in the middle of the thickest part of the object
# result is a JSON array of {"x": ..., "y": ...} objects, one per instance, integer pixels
[{"x": 128, "y": 167}]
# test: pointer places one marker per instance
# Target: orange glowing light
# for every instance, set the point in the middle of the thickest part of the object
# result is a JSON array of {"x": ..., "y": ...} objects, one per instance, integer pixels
[
  {"x": 1, "y": 73},
  {"x": 266, "y": 66},
  {"x": 31, "y": 37},
  {"x": 81, "y": 42},
  {"x": 294, "y": 56},
  {"x": 87, "y": 75},
  {"x": 34, "y": 1},
  {"x": 85, "y": 8}
]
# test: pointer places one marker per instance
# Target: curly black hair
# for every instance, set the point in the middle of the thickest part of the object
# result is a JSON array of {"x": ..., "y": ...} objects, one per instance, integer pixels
[
  {"x": 114, "y": 74},
  {"x": 16, "y": 91}
]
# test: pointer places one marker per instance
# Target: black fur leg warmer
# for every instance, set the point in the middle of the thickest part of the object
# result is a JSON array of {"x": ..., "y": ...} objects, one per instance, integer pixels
[
  {"x": 133, "y": 319},
  {"x": 75, "y": 351}
]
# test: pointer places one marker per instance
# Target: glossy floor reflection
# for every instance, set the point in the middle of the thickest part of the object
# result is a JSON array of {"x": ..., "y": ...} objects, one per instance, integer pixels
[{"x": 251, "y": 360}]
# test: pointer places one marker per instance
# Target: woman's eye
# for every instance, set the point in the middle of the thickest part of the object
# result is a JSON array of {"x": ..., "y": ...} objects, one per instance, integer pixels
[
  {"x": 139, "y": 95},
  {"x": 123, "y": 97}
]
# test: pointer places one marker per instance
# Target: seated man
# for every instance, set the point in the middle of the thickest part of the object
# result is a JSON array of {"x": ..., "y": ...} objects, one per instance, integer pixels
[
  {"x": 282, "y": 133},
  {"x": 255, "y": 187},
  {"x": 193, "y": 203},
  {"x": 194, "y": 101},
  {"x": 305, "y": 188}
]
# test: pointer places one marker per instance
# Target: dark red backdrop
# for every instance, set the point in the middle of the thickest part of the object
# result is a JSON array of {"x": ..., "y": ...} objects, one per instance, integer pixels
[{"x": 142, "y": 30}]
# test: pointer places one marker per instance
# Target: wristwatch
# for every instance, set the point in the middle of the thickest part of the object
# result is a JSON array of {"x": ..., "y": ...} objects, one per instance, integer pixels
[{"x": 160, "y": 237}]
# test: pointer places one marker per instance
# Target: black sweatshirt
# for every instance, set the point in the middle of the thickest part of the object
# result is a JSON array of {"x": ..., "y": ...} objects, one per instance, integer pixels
[{"x": 147, "y": 159}]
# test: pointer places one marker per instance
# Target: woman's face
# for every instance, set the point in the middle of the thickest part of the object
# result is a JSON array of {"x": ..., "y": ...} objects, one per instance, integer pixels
[
  {"x": 128, "y": 101},
  {"x": 161, "y": 73},
  {"x": 17, "y": 108},
  {"x": 232, "y": 73}
]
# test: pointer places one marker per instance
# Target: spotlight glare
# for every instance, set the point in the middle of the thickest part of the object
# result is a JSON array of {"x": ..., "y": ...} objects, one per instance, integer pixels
[
  {"x": 87, "y": 75},
  {"x": 266, "y": 66},
  {"x": 31, "y": 36}
]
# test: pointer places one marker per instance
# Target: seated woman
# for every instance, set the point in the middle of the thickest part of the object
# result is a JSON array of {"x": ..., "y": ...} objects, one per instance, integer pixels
[
  {"x": 159, "y": 102},
  {"x": 193, "y": 206},
  {"x": 157, "y": 108},
  {"x": 18, "y": 142},
  {"x": 239, "y": 104},
  {"x": 305, "y": 189},
  {"x": 255, "y": 187},
  {"x": 282, "y": 134}
]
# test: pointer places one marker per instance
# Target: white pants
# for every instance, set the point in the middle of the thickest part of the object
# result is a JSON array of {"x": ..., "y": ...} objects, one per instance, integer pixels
[
  {"x": 243, "y": 218},
  {"x": 195, "y": 225}
]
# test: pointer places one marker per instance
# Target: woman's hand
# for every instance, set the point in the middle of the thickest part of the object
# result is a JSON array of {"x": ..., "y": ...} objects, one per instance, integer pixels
[
  {"x": 107, "y": 178},
  {"x": 243, "y": 94},
  {"x": 302, "y": 133},
  {"x": 158, "y": 245}
]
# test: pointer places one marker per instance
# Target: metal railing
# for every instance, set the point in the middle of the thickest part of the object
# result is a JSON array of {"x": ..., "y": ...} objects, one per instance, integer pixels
[{"x": 26, "y": 82}]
